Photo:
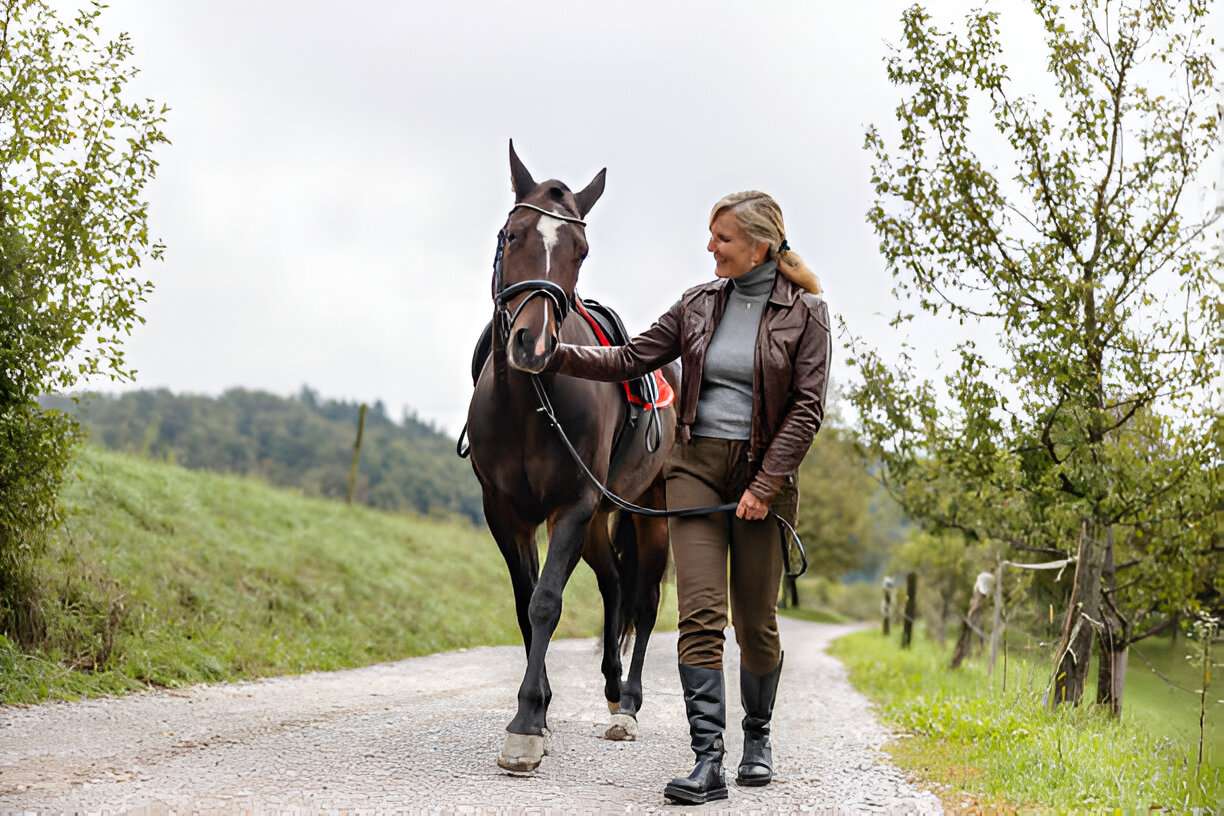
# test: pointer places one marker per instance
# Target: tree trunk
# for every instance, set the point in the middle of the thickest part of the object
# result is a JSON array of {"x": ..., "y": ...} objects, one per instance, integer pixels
[
  {"x": 1111, "y": 676},
  {"x": 941, "y": 626},
  {"x": 970, "y": 626},
  {"x": 911, "y": 608},
  {"x": 1083, "y": 616},
  {"x": 1113, "y": 641}
]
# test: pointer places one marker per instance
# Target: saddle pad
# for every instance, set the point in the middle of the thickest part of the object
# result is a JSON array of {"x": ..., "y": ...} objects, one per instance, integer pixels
[{"x": 660, "y": 395}]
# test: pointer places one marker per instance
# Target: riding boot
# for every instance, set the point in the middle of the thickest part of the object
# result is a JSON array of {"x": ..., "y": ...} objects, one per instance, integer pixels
[
  {"x": 757, "y": 693},
  {"x": 707, "y": 715}
]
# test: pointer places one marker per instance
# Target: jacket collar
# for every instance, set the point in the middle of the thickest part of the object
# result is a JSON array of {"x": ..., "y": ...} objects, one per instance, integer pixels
[{"x": 784, "y": 292}]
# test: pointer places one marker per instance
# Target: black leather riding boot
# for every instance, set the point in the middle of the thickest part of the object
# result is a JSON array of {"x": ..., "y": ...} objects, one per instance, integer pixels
[
  {"x": 707, "y": 715},
  {"x": 757, "y": 693}
]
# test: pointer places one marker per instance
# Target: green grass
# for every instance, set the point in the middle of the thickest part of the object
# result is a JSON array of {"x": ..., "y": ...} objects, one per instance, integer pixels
[
  {"x": 166, "y": 577},
  {"x": 1000, "y": 748},
  {"x": 814, "y": 615},
  {"x": 1171, "y": 711},
  {"x": 824, "y": 600}
]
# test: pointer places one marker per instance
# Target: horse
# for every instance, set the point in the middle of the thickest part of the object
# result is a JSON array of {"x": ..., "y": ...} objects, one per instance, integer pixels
[{"x": 527, "y": 478}]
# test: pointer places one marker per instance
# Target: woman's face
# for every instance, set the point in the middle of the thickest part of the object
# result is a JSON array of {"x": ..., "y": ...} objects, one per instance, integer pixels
[{"x": 734, "y": 251}]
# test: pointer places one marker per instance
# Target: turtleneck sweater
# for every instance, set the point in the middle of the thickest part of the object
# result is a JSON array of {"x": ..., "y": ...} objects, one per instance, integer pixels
[{"x": 724, "y": 409}]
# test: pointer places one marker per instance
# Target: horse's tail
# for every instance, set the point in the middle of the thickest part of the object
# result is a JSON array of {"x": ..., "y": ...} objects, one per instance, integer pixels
[{"x": 625, "y": 544}]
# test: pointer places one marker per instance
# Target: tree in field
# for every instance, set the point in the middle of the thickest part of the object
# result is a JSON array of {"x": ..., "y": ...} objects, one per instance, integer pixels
[
  {"x": 1085, "y": 253},
  {"x": 1163, "y": 564},
  {"x": 75, "y": 157},
  {"x": 837, "y": 526}
]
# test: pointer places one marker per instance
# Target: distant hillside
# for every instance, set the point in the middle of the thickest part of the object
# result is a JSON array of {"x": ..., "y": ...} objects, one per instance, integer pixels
[
  {"x": 162, "y": 576},
  {"x": 303, "y": 441}
]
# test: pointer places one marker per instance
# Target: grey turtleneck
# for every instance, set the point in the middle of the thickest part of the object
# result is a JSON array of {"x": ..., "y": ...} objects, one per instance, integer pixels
[{"x": 724, "y": 409}]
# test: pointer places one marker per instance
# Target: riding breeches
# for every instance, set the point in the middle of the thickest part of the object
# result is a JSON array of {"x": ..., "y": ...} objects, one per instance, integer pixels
[{"x": 709, "y": 471}]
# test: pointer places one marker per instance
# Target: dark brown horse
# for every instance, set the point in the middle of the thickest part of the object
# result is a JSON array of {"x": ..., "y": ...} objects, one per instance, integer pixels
[{"x": 529, "y": 479}]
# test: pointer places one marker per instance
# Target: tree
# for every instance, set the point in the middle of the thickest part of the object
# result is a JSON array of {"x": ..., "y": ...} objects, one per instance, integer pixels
[
  {"x": 76, "y": 155},
  {"x": 835, "y": 520},
  {"x": 1088, "y": 260}
]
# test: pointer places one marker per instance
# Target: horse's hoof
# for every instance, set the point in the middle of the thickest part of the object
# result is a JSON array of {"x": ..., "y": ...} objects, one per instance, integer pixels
[
  {"x": 624, "y": 728},
  {"x": 521, "y": 753},
  {"x": 547, "y": 742}
]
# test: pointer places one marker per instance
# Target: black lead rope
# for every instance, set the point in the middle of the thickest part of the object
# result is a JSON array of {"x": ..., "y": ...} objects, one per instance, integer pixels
[{"x": 786, "y": 531}]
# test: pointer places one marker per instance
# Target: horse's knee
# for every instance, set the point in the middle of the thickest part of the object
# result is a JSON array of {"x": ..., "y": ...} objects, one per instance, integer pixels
[{"x": 545, "y": 606}]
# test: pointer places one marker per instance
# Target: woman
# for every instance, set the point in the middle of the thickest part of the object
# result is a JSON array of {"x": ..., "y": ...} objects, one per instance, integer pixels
[{"x": 754, "y": 345}]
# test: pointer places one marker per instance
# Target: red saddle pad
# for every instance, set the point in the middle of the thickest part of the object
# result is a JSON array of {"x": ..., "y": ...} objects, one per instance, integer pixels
[{"x": 666, "y": 394}]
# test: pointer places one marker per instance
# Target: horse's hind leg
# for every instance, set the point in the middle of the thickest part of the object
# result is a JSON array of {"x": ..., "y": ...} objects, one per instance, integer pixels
[
  {"x": 597, "y": 552},
  {"x": 652, "y": 540}
]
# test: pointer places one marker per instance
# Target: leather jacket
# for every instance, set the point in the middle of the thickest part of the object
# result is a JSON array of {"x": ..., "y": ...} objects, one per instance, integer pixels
[{"x": 790, "y": 370}]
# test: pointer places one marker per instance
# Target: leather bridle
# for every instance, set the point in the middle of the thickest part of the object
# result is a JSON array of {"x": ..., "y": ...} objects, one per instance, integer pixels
[{"x": 559, "y": 300}]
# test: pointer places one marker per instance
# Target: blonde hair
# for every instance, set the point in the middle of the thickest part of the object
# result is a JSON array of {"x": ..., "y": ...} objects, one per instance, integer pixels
[{"x": 761, "y": 218}]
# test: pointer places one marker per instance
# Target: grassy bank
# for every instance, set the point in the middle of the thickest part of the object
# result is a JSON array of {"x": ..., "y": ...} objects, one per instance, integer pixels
[
  {"x": 825, "y": 600},
  {"x": 1003, "y": 748},
  {"x": 163, "y": 577}
]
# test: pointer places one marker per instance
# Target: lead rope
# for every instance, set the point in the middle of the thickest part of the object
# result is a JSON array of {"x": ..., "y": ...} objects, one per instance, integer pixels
[{"x": 787, "y": 532}]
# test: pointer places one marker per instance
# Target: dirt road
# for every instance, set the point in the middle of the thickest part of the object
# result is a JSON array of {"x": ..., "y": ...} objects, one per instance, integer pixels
[{"x": 423, "y": 734}]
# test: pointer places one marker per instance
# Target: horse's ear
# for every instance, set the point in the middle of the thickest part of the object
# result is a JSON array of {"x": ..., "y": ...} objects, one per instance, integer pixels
[
  {"x": 519, "y": 177},
  {"x": 588, "y": 195}
]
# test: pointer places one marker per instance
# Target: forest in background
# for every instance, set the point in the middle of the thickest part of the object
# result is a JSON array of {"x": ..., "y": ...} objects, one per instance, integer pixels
[{"x": 303, "y": 441}]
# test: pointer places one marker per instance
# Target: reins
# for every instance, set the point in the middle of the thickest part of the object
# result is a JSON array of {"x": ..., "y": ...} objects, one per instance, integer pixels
[
  {"x": 786, "y": 532},
  {"x": 560, "y": 302}
]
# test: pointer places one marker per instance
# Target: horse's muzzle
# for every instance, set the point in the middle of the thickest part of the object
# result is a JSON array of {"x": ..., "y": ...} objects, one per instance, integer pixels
[{"x": 530, "y": 354}]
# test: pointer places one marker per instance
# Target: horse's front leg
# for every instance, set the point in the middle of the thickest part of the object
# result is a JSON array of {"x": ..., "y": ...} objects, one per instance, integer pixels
[{"x": 524, "y": 745}]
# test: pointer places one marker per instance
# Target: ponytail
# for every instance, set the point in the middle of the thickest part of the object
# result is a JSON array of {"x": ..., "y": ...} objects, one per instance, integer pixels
[{"x": 796, "y": 271}]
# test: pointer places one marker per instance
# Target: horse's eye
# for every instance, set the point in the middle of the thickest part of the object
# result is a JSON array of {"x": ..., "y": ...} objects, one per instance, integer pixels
[{"x": 510, "y": 237}]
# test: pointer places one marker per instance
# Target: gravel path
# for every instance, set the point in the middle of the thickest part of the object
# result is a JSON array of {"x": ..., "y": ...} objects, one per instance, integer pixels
[{"x": 423, "y": 734}]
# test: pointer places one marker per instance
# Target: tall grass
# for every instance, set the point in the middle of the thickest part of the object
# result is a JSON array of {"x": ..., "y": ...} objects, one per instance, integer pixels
[
  {"x": 1004, "y": 747},
  {"x": 164, "y": 577}
]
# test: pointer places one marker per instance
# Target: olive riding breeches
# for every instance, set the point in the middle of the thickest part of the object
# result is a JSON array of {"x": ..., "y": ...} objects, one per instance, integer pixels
[{"x": 709, "y": 471}]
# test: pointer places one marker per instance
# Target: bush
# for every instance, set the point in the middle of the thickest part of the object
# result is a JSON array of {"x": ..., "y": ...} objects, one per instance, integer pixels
[
  {"x": 35, "y": 451},
  {"x": 75, "y": 156}
]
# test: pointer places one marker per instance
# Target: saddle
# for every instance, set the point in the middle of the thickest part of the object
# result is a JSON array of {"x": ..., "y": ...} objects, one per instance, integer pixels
[{"x": 645, "y": 393}]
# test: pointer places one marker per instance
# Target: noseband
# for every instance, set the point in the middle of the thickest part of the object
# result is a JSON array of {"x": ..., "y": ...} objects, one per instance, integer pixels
[{"x": 559, "y": 300}]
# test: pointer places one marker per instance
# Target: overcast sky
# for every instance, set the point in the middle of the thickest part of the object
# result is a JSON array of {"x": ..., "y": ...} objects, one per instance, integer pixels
[{"x": 338, "y": 171}]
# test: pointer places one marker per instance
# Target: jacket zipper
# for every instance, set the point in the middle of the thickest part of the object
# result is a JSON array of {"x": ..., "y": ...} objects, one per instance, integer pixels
[{"x": 757, "y": 363}]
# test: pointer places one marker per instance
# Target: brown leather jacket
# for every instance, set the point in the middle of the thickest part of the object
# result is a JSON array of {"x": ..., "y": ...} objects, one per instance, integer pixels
[{"x": 790, "y": 374}]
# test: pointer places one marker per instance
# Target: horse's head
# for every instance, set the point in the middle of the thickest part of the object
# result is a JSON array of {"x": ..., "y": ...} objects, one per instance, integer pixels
[{"x": 541, "y": 249}]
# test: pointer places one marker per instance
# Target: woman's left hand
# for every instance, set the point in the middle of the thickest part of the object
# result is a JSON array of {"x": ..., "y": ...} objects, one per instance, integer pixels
[{"x": 751, "y": 508}]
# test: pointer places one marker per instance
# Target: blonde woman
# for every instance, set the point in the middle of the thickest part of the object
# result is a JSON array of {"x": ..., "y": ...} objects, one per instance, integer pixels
[{"x": 754, "y": 344}]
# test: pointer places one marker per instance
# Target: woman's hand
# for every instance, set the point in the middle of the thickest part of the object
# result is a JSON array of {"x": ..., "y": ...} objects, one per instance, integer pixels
[{"x": 751, "y": 508}]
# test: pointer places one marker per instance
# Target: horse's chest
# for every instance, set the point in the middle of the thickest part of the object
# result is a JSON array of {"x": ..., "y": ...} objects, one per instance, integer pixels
[{"x": 527, "y": 465}]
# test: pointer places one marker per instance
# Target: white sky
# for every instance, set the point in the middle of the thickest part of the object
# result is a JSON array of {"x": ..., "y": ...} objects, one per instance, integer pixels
[{"x": 338, "y": 171}]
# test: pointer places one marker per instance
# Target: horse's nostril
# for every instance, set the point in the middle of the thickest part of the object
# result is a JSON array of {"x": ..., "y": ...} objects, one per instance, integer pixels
[{"x": 520, "y": 340}]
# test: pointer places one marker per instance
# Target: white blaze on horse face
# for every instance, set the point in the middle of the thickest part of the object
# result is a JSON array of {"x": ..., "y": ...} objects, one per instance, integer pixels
[{"x": 547, "y": 227}]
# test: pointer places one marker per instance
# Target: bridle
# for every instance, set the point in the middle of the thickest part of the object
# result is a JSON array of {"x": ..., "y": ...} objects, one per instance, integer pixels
[{"x": 559, "y": 300}]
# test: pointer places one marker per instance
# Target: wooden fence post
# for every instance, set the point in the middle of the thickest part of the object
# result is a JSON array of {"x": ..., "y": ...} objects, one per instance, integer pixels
[
  {"x": 886, "y": 605},
  {"x": 352, "y": 477},
  {"x": 982, "y": 587},
  {"x": 911, "y": 609},
  {"x": 996, "y": 623}
]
